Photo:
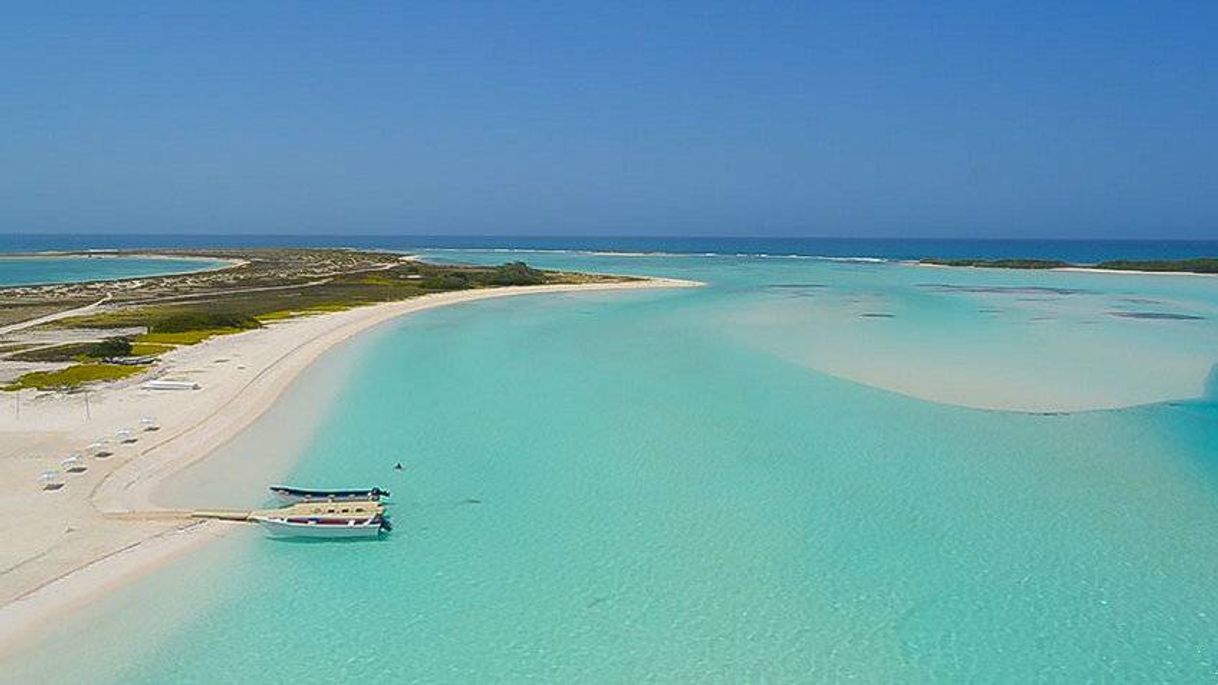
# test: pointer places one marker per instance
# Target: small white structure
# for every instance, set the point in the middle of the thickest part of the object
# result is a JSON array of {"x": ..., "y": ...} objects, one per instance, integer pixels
[
  {"x": 161, "y": 384},
  {"x": 125, "y": 435},
  {"x": 73, "y": 463},
  {"x": 149, "y": 423}
]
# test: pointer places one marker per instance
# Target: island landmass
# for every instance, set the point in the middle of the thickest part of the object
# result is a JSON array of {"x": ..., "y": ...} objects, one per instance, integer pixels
[
  {"x": 1201, "y": 265},
  {"x": 65, "y": 335}
]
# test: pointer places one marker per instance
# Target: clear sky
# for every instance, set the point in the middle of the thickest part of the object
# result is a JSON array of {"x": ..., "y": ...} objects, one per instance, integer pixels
[{"x": 1002, "y": 119}]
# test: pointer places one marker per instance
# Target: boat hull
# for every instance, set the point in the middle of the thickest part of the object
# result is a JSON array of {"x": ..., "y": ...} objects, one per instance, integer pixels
[
  {"x": 297, "y": 495},
  {"x": 352, "y": 529}
]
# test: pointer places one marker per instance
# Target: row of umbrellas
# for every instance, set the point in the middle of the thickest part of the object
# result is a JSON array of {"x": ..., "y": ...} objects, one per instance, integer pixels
[{"x": 53, "y": 479}]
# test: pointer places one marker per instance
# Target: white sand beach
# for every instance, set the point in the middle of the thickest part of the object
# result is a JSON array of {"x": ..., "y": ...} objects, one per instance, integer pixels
[{"x": 64, "y": 547}]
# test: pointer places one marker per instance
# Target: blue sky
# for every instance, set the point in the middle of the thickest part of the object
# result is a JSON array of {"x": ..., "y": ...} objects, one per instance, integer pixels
[{"x": 1010, "y": 119}]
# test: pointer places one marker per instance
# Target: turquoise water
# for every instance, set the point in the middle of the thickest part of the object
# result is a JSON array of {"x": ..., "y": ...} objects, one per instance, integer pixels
[
  {"x": 37, "y": 270},
  {"x": 686, "y": 486}
]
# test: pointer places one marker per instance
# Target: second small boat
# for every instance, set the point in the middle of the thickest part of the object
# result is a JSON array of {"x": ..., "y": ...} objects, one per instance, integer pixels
[
  {"x": 294, "y": 495},
  {"x": 317, "y": 527}
]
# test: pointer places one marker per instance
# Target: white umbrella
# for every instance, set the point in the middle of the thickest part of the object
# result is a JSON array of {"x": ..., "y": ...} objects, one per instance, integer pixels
[
  {"x": 124, "y": 435},
  {"x": 50, "y": 480},
  {"x": 149, "y": 423},
  {"x": 73, "y": 463},
  {"x": 101, "y": 448}
]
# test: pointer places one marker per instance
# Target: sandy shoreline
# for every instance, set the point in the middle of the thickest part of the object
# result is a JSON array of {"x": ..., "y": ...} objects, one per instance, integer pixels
[{"x": 64, "y": 548}]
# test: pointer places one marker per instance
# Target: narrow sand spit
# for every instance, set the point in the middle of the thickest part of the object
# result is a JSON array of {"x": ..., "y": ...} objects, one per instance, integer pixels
[{"x": 62, "y": 548}]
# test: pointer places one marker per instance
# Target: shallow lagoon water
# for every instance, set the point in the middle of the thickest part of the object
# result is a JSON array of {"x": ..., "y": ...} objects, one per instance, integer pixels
[
  {"x": 676, "y": 486},
  {"x": 78, "y": 269}
]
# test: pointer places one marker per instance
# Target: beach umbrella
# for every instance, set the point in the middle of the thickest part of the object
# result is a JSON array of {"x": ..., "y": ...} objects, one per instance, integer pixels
[
  {"x": 124, "y": 435},
  {"x": 149, "y": 423},
  {"x": 101, "y": 448},
  {"x": 73, "y": 463},
  {"x": 50, "y": 480}
]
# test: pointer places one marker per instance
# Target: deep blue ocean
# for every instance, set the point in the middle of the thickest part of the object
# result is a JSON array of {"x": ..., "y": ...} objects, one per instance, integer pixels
[{"x": 1079, "y": 251}]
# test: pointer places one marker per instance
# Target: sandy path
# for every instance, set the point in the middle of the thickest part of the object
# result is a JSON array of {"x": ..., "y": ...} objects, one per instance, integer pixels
[
  {"x": 62, "y": 548},
  {"x": 22, "y": 325}
]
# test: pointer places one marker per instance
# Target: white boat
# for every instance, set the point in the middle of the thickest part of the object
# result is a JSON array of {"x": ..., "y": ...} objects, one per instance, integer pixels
[{"x": 323, "y": 527}]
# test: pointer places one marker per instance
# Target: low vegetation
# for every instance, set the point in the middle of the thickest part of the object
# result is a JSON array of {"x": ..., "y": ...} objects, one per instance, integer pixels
[
  {"x": 74, "y": 376},
  {"x": 1198, "y": 266},
  {"x": 236, "y": 310},
  {"x": 83, "y": 351},
  {"x": 18, "y": 309},
  {"x": 185, "y": 337},
  {"x": 150, "y": 316},
  {"x": 1001, "y": 263},
  {"x": 1205, "y": 265},
  {"x": 146, "y": 349},
  {"x": 186, "y": 321},
  {"x": 517, "y": 273}
]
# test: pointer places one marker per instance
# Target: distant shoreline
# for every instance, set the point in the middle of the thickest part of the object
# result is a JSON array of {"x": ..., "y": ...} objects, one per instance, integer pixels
[
  {"x": 105, "y": 254},
  {"x": 1205, "y": 266},
  {"x": 916, "y": 251},
  {"x": 220, "y": 264}
]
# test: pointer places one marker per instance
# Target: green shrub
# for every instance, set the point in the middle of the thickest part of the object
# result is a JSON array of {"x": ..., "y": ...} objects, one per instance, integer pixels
[
  {"x": 454, "y": 281},
  {"x": 516, "y": 273},
  {"x": 1001, "y": 263},
  {"x": 74, "y": 376},
  {"x": 199, "y": 321},
  {"x": 1201, "y": 265},
  {"x": 82, "y": 351},
  {"x": 110, "y": 347},
  {"x": 185, "y": 337}
]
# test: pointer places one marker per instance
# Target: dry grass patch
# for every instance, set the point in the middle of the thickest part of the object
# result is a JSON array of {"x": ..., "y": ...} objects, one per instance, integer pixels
[{"x": 74, "y": 376}]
